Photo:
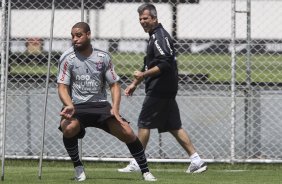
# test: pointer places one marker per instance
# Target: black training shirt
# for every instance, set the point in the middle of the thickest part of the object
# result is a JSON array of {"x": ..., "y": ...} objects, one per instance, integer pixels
[{"x": 160, "y": 52}]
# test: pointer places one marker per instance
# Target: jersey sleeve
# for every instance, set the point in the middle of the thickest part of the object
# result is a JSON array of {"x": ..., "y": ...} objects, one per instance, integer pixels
[
  {"x": 110, "y": 74},
  {"x": 64, "y": 74},
  {"x": 163, "y": 52},
  {"x": 162, "y": 45}
]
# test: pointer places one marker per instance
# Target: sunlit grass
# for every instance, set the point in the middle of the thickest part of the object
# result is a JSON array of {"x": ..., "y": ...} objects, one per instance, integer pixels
[
  {"x": 26, "y": 172},
  {"x": 263, "y": 68}
]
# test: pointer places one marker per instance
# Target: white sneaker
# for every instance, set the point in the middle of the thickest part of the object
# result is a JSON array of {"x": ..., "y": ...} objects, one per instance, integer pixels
[
  {"x": 79, "y": 173},
  {"x": 194, "y": 168},
  {"x": 147, "y": 176},
  {"x": 131, "y": 167}
]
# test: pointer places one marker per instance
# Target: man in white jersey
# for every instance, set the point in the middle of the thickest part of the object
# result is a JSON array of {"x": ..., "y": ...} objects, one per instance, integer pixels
[{"x": 84, "y": 73}]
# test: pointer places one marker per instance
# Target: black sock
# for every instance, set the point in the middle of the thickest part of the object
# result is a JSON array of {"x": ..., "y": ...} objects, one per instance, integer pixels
[
  {"x": 137, "y": 151},
  {"x": 71, "y": 145}
]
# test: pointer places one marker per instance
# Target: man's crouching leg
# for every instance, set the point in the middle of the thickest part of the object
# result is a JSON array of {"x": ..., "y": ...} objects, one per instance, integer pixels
[
  {"x": 71, "y": 133},
  {"x": 125, "y": 133}
]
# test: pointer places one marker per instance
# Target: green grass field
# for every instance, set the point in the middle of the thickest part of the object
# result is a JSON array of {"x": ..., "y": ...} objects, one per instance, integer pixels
[
  {"x": 265, "y": 68},
  {"x": 54, "y": 172}
]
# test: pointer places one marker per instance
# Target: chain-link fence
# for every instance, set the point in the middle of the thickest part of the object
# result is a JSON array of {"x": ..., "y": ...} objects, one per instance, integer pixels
[{"x": 230, "y": 71}]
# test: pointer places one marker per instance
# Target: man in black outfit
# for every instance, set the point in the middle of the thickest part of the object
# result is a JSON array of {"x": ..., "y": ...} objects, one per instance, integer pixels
[{"x": 160, "y": 73}]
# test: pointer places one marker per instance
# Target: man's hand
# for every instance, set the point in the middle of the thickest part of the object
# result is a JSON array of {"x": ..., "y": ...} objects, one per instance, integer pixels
[
  {"x": 115, "y": 112},
  {"x": 129, "y": 90},
  {"x": 138, "y": 75},
  {"x": 67, "y": 112}
]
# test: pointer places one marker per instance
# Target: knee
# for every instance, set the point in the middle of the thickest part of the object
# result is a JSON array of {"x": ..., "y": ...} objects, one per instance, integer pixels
[
  {"x": 70, "y": 128},
  {"x": 121, "y": 131},
  {"x": 69, "y": 132},
  {"x": 128, "y": 135}
]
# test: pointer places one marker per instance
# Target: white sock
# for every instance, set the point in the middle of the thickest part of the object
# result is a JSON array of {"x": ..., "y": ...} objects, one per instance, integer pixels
[{"x": 195, "y": 158}]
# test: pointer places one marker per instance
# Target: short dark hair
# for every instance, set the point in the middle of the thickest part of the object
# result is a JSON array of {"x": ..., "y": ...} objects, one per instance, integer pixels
[
  {"x": 147, "y": 6},
  {"x": 82, "y": 25}
]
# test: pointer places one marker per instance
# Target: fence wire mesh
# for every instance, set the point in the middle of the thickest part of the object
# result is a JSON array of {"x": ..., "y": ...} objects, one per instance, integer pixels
[{"x": 202, "y": 33}]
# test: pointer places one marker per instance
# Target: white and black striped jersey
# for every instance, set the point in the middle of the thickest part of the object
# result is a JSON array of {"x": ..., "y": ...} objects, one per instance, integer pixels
[{"x": 86, "y": 76}]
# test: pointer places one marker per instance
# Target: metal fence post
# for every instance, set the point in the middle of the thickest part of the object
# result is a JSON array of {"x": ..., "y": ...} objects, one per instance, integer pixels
[
  {"x": 5, "y": 93},
  {"x": 46, "y": 88},
  {"x": 82, "y": 19},
  {"x": 233, "y": 81}
]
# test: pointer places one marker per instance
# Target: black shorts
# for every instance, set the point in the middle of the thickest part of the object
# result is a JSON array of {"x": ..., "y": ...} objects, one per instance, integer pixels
[
  {"x": 92, "y": 114},
  {"x": 160, "y": 113}
]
